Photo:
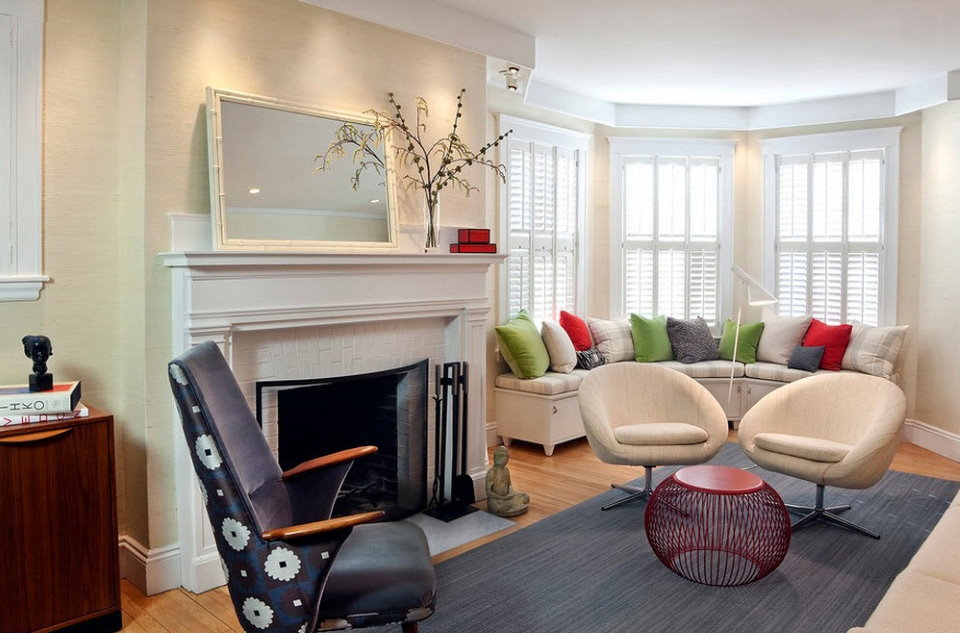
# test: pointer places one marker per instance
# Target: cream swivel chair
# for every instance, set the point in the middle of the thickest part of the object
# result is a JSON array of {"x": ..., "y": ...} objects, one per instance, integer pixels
[
  {"x": 640, "y": 414},
  {"x": 834, "y": 430}
]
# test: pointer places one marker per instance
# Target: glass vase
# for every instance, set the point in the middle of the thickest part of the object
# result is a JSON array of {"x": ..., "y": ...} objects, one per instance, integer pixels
[{"x": 431, "y": 222}]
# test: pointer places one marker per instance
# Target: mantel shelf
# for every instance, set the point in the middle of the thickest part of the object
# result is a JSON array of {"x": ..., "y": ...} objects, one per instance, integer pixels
[{"x": 233, "y": 259}]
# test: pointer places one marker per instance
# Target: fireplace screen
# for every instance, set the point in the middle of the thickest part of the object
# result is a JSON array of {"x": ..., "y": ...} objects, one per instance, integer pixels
[{"x": 386, "y": 409}]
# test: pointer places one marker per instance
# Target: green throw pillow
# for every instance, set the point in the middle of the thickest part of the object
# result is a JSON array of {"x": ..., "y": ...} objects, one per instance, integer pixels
[
  {"x": 650, "y": 340},
  {"x": 522, "y": 347},
  {"x": 746, "y": 346}
]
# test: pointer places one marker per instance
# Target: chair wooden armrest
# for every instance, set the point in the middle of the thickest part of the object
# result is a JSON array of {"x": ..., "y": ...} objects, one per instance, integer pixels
[
  {"x": 339, "y": 457},
  {"x": 320, "y": 527}
]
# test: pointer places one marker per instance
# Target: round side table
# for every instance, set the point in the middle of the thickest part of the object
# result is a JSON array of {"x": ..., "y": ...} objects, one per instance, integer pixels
[{"x": 717, "y": 525}]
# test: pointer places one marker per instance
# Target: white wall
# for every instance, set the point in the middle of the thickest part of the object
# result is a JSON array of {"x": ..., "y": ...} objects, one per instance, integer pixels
[{"x": 938, "y": 282}]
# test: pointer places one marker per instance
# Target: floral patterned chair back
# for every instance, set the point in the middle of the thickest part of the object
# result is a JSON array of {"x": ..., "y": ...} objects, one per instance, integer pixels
[{"x": 275, "y": 586}]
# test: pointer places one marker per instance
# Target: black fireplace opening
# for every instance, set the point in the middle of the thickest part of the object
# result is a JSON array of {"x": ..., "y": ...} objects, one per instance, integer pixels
[{"x": 386, "y": 409}]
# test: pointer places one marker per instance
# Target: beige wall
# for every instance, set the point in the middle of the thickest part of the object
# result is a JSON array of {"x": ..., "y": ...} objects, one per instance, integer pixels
[
  {"x": 79, "y": 308},
  {"x": 938, "y": 395},
  {"x": 285, "y": 49},
  {"x": 125, "y": 144}
]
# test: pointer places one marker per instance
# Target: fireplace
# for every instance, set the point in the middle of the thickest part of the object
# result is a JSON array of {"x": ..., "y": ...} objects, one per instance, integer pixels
[
  {"x": 386, "y": 409},
  {"x": 296, "y": 315}
]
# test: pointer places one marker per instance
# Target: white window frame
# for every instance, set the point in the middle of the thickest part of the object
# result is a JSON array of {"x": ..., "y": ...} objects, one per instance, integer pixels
[
  {"x": 544, "y": 134},
  {"x": 21, "y": 255},
  {"x": 887, "y": 139},
  {"x": 622, "y": 148}
]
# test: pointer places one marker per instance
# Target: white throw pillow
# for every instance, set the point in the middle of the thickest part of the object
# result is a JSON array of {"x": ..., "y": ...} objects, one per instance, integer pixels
[
  {"x": 612, "y": 339},
  {"x": 874, "y": 350},
  {"x": 780, "y": 337},
  {"x": 563, "y": 357}
]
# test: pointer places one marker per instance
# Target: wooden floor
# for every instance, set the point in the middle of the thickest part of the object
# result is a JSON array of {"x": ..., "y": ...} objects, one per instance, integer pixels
[{"x": 572, "y": 475}]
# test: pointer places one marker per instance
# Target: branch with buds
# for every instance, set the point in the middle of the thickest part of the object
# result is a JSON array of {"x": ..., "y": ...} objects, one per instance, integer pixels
[{"x": 429, "y": 167}]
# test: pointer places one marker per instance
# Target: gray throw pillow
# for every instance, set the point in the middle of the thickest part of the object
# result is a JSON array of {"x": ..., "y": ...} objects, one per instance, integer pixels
[
  {"x": 806, "y": 358},
  {"x": 692, "y": 340}
]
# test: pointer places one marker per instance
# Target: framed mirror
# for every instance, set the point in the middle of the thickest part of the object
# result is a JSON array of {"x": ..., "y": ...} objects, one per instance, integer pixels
[{"x": 267, "y": 193}]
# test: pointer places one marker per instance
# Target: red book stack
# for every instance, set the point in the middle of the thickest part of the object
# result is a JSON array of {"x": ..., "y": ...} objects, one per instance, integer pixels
[{"x": 473, "y": 241}]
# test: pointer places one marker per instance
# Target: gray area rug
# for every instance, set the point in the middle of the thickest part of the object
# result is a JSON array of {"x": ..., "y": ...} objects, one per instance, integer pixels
[
  {"x": 443, "y": 536},
  {"x": 587, "y": 571}
]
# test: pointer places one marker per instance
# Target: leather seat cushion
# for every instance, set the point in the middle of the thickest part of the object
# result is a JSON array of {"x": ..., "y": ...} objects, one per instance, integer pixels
[
  {"x": 660, "y": 434},
  {"x": 381, "y": 567},
  {"x": 812, "y": 448}
]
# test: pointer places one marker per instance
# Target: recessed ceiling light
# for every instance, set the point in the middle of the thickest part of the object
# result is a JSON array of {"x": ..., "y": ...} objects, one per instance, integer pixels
[
  {"x": 253, "y": 191},
  {"x": 375, "y": 201}
]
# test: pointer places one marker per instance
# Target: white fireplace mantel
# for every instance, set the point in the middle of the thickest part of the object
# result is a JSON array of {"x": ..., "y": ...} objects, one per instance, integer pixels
[{"x": 219, "y": 294}]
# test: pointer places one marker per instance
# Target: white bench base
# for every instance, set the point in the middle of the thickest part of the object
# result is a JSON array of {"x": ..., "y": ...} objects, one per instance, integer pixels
[
  {"x": 541, "y": 419},
  {"x": 552, "y": 419}
]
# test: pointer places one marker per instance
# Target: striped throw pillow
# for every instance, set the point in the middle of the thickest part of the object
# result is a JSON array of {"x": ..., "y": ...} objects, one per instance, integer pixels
[
  {"x": 874, "y": 350},
  {"x": 612, "y": 339}
]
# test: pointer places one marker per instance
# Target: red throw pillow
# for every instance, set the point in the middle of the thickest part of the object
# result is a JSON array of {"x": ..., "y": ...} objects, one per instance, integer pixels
[
  {"x": 834, "y": 339},
  {"x": 576, "y": 328}
]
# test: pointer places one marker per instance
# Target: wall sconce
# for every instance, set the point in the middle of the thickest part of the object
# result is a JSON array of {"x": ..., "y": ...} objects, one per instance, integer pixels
[{"x": 511, "y": 77}]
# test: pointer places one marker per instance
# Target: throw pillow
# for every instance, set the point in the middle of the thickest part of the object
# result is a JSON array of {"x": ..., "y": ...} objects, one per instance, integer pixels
[
  {"x": 563, "y": 358},
  {"x": 750, "y": 335},
  {"x": 650, "y": 340},
  {"x": 589, "y": 358},
  {"x": 833, "y": 337},
  {"x": 612, "y": 339},
  {"x": 806, "y": 358},
  {"x": 577, "y": 329},
  {"x": 780, "y": 337},
  {"x": 692, "y": 340},
  {"x": 874, "y": 350},
  {"x": 522, "y": 347}
]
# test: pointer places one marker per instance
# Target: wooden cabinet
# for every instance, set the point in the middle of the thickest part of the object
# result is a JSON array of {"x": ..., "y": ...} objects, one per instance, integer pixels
[{"x": 58, "y": 527}]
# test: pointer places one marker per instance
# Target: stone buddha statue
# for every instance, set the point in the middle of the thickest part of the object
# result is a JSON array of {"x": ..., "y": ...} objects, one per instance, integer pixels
[{"x": 502, "y": 499}]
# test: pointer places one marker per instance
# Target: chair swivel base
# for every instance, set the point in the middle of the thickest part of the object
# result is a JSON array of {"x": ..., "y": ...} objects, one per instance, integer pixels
[
  {"x": 636, "y": 493},
  {"x": 827, "y": 515}
]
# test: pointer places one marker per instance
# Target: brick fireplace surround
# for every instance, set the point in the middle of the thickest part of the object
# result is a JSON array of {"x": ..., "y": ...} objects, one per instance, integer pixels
[{"x": 313, "y": 315}]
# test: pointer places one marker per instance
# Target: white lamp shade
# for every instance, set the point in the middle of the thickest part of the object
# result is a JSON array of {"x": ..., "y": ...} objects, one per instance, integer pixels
[{"x": 757, "y": 295}]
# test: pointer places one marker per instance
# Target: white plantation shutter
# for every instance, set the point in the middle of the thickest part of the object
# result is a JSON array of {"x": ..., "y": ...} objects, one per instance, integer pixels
[
  {"x": 542, "y": 208},
  {"x": 519, "y": 224},
  {"x": 671, "y": 244},
  {"x": 829, "y": 209}
]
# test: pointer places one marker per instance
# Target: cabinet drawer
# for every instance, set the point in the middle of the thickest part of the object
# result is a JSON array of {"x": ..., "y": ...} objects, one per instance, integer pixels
[{"x": 58, "y": 539}]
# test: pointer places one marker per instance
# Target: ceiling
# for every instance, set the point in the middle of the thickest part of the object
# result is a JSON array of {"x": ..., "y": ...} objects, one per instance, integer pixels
[
  {"x": 701, "y": 64},
  {"x": 731, "y": 53}
]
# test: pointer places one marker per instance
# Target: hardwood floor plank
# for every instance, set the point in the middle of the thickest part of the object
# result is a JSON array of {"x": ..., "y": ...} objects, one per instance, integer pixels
[{"x": 572, "y": 475}]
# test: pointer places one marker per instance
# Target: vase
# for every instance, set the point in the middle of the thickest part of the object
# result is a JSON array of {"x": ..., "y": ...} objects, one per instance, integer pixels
[{"x": 431, "y": 222}]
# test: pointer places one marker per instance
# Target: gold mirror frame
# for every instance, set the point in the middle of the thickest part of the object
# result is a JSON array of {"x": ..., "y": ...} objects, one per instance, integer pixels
[{"x": 221, "y": 239}]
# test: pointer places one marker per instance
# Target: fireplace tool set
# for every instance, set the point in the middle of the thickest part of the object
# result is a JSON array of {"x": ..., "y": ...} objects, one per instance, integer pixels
[{"x": 450, "y": 445}]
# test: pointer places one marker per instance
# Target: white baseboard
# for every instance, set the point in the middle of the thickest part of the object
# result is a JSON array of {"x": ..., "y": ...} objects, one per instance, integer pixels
[
  {"x": 205, "y": 573},
  {"x": 932, "y": 438},
  {"x": 152, "y": 571},
  {"x": 493, "y": 438}
]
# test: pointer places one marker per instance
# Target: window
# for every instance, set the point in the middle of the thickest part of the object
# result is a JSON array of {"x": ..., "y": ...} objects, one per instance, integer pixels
[
  {"x": 542, "y": 210},
  {"x": 671, "y": 227},
  {"x": 830, "y": 213},
  {"x": 21, "y": 63}
]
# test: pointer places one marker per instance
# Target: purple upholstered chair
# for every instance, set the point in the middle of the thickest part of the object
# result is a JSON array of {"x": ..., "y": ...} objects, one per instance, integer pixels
[{"x": 290, "y": 568}]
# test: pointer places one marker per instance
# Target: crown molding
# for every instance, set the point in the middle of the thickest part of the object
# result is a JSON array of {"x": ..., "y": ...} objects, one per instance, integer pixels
[
  {"x": 875, "y": 105},
  {"x": 442, "y": 23}
]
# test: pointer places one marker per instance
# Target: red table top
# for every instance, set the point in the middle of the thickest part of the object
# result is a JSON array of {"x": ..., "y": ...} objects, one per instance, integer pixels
[{"x": 718, "y": 479}]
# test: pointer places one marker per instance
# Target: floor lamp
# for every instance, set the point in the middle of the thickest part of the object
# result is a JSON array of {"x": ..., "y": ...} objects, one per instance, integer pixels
[{"x": 757, "y": 295}]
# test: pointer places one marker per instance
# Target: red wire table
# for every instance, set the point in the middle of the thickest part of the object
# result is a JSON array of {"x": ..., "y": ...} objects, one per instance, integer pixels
[{"x": 717, "y": 525}]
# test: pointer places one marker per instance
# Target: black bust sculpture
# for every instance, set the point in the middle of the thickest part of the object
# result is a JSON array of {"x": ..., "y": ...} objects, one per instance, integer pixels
[{"x": 39, "y": 348}]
